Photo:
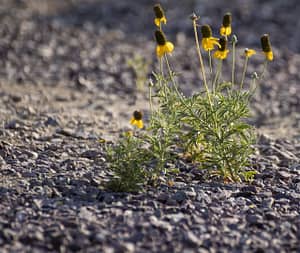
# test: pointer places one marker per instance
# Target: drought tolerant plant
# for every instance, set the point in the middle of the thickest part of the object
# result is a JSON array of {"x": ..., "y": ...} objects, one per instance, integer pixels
[
  {"x": 128, "y": 160},
  {"x": 210, "y": 126}
]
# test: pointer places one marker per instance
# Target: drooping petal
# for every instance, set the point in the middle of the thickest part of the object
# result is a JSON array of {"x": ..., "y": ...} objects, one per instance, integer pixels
[
  {"x": 221, "y": 54},
  {"x": 139, "y": 124},
  {"x": 163, "y": 49},
  {"x": 169, "y": 47},
  {"x": 269, "y": 55},
  {"x": 204, "y": 43},
  {"x": 132, "y": 121},
  {"x": 157, "y": 21},
  {"x": 210, "y": 43},
  {"x": 163, "y": 20},
  {"x": 159, "y": 51},
  {"x": 249, "y": 52}
]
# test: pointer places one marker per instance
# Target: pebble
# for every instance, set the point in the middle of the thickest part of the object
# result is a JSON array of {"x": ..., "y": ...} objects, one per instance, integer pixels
[
  {"x": 284, "y": 175},
  {"x": 191, "y": 239},
  {"x": 180, "y": 196},
  {"x": 268, "y": 203}
]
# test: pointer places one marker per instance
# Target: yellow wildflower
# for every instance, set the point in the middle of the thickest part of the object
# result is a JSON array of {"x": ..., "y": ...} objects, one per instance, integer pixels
[
  {"x": 137, "y": 119},
  {"x": 249, "y": 52},
  {"x": 159, "y": 15},
  {"x": 208, "y": 42},
  {"x": 266, "y": 47},
  {"x": 222, "y": 52},
  {"x": 225, "y": 30},
  {"x": 163, "y": 46}
]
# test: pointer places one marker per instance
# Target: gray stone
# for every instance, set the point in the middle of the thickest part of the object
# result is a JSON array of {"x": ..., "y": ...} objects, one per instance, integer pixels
[
  {"x": 191, "y": 239},
  {"x": 180, "y": 196}
]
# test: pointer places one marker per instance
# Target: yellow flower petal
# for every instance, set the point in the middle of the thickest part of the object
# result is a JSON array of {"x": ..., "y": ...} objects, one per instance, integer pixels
[
  {"x": 163, "y": 20},
  {"x": 225, "y": 31},
  {"x": 269, "y": 55},
  {"x": 139, "y": 124},
  {"x": 249, "y": 52},
  {"x": 210, "y": 43},
  {"x": 159, "y": 51},
  {"x": 132, "y": 121},
  {"x": 162, "y": 49},
  {"x": 169, "y": 47},
  {"x": 221, "y": 54},
  {"x": 157, "y": 21}
]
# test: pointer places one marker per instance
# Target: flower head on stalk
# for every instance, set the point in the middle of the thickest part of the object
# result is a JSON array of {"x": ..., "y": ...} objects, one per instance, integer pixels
[
  {"x": 266, "y": 47},
  {"x": 137, "y": 119},
  {"x": 163, "y": 46},
  {"x": 222, "y": 52},
  {"x": 208, "y": 42},
  {"x": 159, "y": 15},
  {"x": 249, "y": 52},
  {"x": 225, "y": 29}
]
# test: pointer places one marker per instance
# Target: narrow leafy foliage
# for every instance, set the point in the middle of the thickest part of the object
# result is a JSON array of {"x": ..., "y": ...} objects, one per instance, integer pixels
[{"x": 210, "y": 127}]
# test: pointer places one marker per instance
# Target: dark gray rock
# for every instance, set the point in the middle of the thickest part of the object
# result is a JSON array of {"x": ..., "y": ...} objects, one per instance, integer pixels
[
  {"x": 191, "y": 240},
  {"x": 180, "y": 196}
]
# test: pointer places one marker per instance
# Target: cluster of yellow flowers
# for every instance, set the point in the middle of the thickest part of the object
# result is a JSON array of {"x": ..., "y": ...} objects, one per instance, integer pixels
[
  {"x": 208, "y": 43},
  {"x": 163, "y": 45}
]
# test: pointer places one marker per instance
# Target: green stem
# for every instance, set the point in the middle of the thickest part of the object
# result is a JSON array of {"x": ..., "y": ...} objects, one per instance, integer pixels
[
  {"x": 161, "y": 69},
  {"x": 232, "y": 174},
  {"x": 150, "y": 99},
  {"x": 244, "y": 72},
  {"x": 264, "y": 70},
  {"x": 172, "y": 78},
  {"x": 189, "y": 108},
  {"x": 217, "y": 75},
  {"x": 253, "y": 85},
  {"x": 233, "y": 63},
  {"x": 162, "y": 84},
  {"x": 210, "y": 62},
  {"x": 202, "y": 69}
]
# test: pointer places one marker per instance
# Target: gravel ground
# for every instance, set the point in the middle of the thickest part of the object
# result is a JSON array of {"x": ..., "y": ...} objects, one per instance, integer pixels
[{"x": 65, "y": 82}]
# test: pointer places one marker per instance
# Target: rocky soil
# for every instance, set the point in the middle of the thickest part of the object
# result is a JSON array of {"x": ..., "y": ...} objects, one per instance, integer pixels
[{"x": 65, "y": 83}]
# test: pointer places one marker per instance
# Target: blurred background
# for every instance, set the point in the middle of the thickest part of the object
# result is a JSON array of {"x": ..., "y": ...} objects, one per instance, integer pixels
[{"x": 104, "y": 49}]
